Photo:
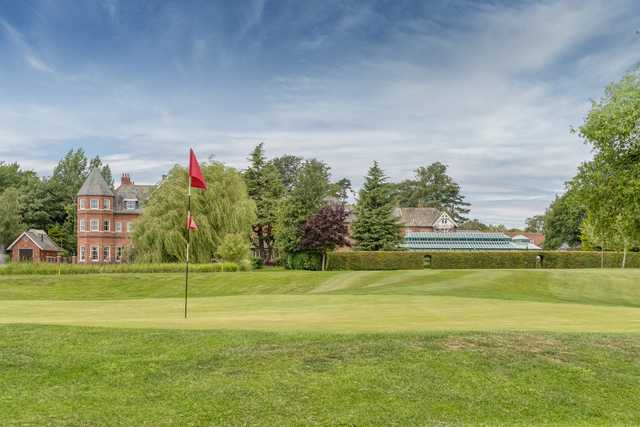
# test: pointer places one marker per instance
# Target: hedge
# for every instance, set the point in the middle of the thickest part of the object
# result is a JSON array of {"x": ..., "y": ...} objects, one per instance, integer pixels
[
  {"x": 303, "y": 261},
  {"x": 476, "y": 259},
  {"x": 44, "y": 268},
  {"x": 382, "y": 260}
]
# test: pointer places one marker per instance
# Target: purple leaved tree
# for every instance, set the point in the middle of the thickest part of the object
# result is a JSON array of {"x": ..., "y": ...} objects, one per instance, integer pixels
[{"x": 325, "y": 230}]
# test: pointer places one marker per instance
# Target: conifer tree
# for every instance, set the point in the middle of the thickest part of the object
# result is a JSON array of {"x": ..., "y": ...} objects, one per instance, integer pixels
[{"x": 375, "y": 227}]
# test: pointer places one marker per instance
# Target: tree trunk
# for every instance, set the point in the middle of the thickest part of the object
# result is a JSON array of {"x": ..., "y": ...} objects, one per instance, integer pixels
[
  {"x": 624, "y": 255},
  {"x": 324, "y": 257},
  {"x": 602, "y": 255}
]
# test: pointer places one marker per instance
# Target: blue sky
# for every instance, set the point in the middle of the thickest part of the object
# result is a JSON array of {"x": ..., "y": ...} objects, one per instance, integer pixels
[{"x": 489, "y": 88}]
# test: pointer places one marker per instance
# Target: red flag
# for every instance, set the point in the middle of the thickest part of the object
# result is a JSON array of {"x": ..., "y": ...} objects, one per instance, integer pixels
[
  {"x": 197, "y": 180},
  {"x": 191, "y": 224}
]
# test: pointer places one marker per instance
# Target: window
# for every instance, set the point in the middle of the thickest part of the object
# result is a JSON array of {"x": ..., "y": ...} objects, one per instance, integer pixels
[
  {"x": 83, "y": 225},
  {"x": 94, "y": 253},
  {"x": 94, "y": 203},
  {"x": 83, "y": 204},
  {"x": 52, "y": 259},
  {"x": 129, "y": 227},
  {"x": 106, "y": 253},
  {"x": 94, "y": 225},
  {"x": 118, "y": 227},
  {"x": 119, "y": 251},
  {"x": 83, "y": 254},
  {"x": 106, "y": 225},
  {"x": 130, "y": 204},
  {"x": 107, "y": 204}
]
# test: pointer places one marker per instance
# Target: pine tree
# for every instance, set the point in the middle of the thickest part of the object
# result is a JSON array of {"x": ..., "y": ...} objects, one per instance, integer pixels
[
  {"x": 265, "y": 187},
  {"x": 375, "y": 227}
]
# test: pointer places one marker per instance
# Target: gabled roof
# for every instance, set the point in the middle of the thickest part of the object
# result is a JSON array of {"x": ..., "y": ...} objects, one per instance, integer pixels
[
  {"x": 95, "y": 185},
  {"x": 40, "y": 238},
  {"x": 141, "y": 193},
  {"x": 417, "y": 217}
]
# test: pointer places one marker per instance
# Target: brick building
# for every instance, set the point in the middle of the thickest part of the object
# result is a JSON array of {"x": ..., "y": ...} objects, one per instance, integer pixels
[
  {"x": 105, "y": 217},
  {"x": 34, "y": 246}
]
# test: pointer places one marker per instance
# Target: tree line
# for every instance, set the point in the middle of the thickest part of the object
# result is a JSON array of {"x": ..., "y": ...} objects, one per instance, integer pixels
[{"x": 601, "y": 208}]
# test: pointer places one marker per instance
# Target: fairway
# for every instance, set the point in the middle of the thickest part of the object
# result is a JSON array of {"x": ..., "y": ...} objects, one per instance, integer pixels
[{"x": 490, "y": 347}]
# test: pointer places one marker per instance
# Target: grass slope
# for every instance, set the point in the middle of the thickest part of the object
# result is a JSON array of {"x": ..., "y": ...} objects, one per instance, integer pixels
[{"x": 80, "y": 376}]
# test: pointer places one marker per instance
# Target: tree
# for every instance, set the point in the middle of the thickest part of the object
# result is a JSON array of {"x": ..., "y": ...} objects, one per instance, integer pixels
[
  {"x": 432, "y": 187},
  {"x": 264, "y": 185},
  {"x": 10, "y": 220},
  {"x": 325, "y": 230},
  {"x": 342, "y": 189},
  {"x": 375, "y": 227},
  {"x": 234, "y": 248},
  {"x": 12, "y": 176},
  {"x": 562, "y": 221},
  {"x": 160, "y": 232},
  {"x": 608, "y": 186},
  {"x": 307, "y": 196},
  {"x": 535, "y": 224},
  {"x": 288, "y": 166},
  {"x": 105, "y": 170}
]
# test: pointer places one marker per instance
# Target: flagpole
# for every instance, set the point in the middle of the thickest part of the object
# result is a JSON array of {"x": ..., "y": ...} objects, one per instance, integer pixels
[{"x": 186, "y": 278}]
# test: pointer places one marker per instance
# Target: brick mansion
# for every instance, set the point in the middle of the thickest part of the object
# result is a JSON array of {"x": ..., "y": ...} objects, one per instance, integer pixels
[{"x": 105, "y": 217}]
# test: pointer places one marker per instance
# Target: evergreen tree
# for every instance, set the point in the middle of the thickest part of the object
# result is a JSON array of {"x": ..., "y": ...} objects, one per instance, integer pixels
[
  {"x": 264, "y": 185},
  {"x": 288, "y": 166},
  {"x": 307, "y": 196},
  {"x": 375, "y": 227}
]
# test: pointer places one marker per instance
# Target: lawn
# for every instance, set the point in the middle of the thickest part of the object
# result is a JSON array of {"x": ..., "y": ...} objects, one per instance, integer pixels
[{"x": 297, "y": 348}]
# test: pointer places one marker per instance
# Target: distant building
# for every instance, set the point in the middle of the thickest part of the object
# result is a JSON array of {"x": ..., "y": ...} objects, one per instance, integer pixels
[
  {"x": 106, "y": 217},
  {"x": 535, "y": 238},
  {"x": 34, "y": 246},
  {"x": 524, "y": 242},
  {"x": 458, "y": 241},
  {"x": 416, "y": 219}
]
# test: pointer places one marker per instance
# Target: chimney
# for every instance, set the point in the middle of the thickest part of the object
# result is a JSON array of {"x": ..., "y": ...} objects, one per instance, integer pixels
[{"x": 125, "y": 179}]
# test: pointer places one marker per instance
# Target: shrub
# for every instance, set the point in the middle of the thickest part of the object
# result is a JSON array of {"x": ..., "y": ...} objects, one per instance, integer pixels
[
  {"x": 303, "y": 261},
  {"x": 378, "y": 260},
  {"x": 42, "y": 268},
  {"x": 257, "y": 262},
  {"x": 234, "y": 248}
]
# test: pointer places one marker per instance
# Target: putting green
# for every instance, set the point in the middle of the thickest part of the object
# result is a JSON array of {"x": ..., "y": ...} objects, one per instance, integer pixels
[{"x": 329, "y": 313}]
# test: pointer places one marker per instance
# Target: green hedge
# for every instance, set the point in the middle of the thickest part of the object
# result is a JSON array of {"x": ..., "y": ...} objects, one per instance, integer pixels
[
  {"x": 43, "y": 268},
  {"x": 382, "y": 260},
  {"x": 303, "y": 261},
  {"x": 361, "y": 260}
]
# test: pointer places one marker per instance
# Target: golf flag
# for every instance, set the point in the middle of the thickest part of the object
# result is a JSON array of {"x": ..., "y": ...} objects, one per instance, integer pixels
[
  {"x": 191, "y": 224},
  {"x": 197, "y": 180}
]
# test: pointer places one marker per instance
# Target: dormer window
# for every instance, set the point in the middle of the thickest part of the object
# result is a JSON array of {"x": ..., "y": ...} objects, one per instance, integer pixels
[{"x": 130, "y": 204}]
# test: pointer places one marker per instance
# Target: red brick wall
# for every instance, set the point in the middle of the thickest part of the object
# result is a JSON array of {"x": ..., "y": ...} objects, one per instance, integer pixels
[
  {"x": 25, "y": 243},
  {"x": 101, "y": 238}
]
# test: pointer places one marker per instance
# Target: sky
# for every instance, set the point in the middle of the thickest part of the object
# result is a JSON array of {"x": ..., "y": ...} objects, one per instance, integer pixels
[{"x": 491, "y": 89}]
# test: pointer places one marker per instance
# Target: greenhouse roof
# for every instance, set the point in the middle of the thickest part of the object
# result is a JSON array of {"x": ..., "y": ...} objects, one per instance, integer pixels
[{"x": 462, "y": 240}]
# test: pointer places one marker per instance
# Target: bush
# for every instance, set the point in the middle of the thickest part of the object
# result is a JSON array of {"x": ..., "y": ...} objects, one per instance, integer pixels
[
  {"x": 234, "y": 248},
  {"x": 257, "y": 262},
  {"x": 303, "y": 261},
  {"x": 378, "y": 260},
  {"x": 477, "y": 259},
  {"x": 42, "y": 268}
]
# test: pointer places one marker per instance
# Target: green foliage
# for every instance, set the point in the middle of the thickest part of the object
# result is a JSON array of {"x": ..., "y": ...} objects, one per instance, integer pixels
[
  {"x": 379, "y": 260},
  {"x": 105, "y": 170},
  {"x": 265, "y": 187},
  {"x": 43, "y": 268},
  {"x": 307, "y": 197},
  {"x": 562, "y": 221},
  {"x": 477, "y": 260},
  {"x": 160, "y": 233},
  {"x": 303, "y": 261},
  {"x": 10, "y": 221},
  {"x": 234, "y": 248},
  {"x": 535, "y": 224},
  {"x": 375, "y": 227},
  {"x": 432, "y": 187},
  {"x": 288, "y": 166}
]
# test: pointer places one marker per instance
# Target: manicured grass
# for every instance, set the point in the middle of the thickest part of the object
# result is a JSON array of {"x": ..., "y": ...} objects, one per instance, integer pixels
[
  {"x": 503, "y": 347},
  {"x": 80, "y": 376}
]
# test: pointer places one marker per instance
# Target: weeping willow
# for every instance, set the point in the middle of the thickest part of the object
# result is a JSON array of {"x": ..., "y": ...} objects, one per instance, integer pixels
[{"x": 160, "y": 234}]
